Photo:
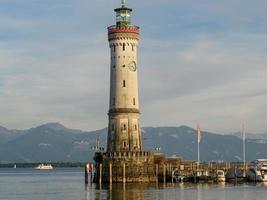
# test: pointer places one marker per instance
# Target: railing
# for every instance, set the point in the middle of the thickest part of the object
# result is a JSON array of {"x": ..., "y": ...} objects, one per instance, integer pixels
[
  {"x": 129, "y": 154},
  {"x": 126, "y": 29}
]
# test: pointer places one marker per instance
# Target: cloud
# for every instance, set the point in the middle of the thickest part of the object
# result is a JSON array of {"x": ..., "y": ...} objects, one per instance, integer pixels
[
  {"x": 211, "y": 82},
  {"x": 199, "y": 62}
]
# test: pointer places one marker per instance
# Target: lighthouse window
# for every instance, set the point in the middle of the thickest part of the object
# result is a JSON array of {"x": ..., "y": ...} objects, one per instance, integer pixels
[
  {"x": 114, "y": 48},
  {"x": 113, "y": 127},
  {"x": 123, "y": 47},
  {"x": 123, "y": 65},
  {"x": 114, "y": 66},
  {"x": 124, "y": 83},
  {"x": 124, "y": 127},
  {"x": 124, "y": 144},
  {"x": 135, "y": 127},
  {"x": 134, "y": 101},
  {"x": 132, "y": 47}
]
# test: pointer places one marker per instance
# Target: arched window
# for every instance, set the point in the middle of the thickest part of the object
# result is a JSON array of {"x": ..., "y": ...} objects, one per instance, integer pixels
[{"x": 123, "y": 46}]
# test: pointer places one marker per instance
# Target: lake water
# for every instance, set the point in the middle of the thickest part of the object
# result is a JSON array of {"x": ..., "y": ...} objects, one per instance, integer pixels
[{"x": 68, "y": 184}]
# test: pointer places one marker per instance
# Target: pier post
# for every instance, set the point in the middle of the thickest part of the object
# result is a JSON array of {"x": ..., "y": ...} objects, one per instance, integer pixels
[
  {"x": 124, "y": 179},
  {"x": 92, "y": 173},
  {"x": 100, "y": 173},
  {"x": 235, "y": 174},
  {"x": 86, "y": 173},
  {"x": 157, "y": 172},
  {"x": 110, "y": 172},
  {"x": 164, "y": 173}
]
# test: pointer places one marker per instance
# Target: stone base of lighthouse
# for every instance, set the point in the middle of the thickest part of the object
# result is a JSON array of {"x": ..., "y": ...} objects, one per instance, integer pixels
[{"x": 125, "y": 167}]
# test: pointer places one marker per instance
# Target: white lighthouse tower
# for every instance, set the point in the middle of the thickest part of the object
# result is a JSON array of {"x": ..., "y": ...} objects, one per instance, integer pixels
[
  {"x": 124, "y": 132},
  {"x": 124, "y": 161}
]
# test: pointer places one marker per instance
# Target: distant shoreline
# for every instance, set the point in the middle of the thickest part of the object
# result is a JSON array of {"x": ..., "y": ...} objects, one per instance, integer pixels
[{"x": 54, "y": 164}]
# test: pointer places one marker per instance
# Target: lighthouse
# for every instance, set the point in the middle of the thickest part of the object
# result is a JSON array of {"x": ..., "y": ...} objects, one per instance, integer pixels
[
  {"x": 125, "y": 160},
  {"x": 124, "y": 132}
]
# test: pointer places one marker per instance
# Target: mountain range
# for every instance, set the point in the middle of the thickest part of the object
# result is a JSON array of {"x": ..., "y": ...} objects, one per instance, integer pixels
[{"x": 53, "y": 142}]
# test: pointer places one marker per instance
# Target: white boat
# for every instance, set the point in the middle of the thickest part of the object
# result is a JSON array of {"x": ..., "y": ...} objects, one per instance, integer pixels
[
  {"x": 44, "y": 167},
  {"x": 258, "y": 171},
  {"x": 220, "y": 176}
]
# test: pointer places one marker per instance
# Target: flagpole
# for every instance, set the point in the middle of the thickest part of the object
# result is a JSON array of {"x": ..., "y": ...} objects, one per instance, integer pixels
[
  {"x": 244, "y": 149},
  {"x": 198, "y": 156},
  {"x": 198, "y": 142}
]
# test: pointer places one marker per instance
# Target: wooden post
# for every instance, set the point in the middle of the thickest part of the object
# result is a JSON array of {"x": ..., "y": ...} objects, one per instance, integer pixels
[
  {"x": 110, "y": 172},
  {"x": 157, "y": 172},
  {"x": 124, "y": 179},
  {"x": 92, "y": 173},
  {"x": 164, "y": 173},
  {"x": 100, "y": 173},
  {"x": 235, "y": 174},
  {"x": 86, "y": 173}
]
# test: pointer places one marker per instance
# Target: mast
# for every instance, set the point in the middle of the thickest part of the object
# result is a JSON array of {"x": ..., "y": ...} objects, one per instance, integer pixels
[
  {"x": 198, "y": 142},
  {"x": 198, "y": 153},
  {"x": 244, "y": 148}
]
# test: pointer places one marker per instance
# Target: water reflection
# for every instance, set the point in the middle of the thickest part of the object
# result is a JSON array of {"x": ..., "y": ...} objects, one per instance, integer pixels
[{"x": 184, "y": 191}]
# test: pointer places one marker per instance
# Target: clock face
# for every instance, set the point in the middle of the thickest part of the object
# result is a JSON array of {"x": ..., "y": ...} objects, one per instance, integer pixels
[{"x": 132, "y": 66}]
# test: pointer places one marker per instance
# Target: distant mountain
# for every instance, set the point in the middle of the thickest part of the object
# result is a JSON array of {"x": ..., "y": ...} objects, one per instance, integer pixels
[
  {"x": 53, "y": 142},
  {"x": 182, "y": 141},
  {"x": 256, "y": 136},
  {"x": 7, "y": 135},
  {"x": 50, "y": 142}
]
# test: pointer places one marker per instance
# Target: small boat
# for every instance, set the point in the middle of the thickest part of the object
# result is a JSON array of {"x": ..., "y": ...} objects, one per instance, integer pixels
[
  {"x": 220, "y": 176},
  {"x": 235, "y": 174},
  {"x": 15, "y": 166},
  {"x": 44, "y": 167},
  {"x": 258, "y": 171}
]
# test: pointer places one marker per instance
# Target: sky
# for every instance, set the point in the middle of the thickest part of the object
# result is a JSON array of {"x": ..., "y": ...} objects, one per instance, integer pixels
[{"x": 200, "y": 62}]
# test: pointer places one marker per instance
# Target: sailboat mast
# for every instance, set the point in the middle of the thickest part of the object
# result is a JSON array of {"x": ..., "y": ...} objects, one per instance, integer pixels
[
  {"x": 198, "y": 142},
  {"x": 244, "y": 147},
  {"x": 198, "y": 154}
]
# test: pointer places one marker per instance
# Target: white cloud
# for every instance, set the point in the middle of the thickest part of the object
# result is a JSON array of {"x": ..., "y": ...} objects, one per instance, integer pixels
[
  {"x": 210, "y": 82},
  {"x": 55, "y": 66}
]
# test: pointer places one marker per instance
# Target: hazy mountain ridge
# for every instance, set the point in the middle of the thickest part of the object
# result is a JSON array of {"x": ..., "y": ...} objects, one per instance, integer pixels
[
  {"x": 256, "y": 136},
  {"x": 56, "y": 143}
]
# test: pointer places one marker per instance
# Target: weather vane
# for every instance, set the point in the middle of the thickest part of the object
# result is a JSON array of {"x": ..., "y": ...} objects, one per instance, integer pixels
[{"x": 123, "y": 2}]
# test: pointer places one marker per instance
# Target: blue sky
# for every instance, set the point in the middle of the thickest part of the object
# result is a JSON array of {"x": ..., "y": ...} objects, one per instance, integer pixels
[{"x": 199, "y": 62}]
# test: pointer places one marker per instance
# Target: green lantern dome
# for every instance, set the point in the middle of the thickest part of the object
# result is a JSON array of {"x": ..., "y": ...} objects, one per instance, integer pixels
[{"x": 123, "y": 16}]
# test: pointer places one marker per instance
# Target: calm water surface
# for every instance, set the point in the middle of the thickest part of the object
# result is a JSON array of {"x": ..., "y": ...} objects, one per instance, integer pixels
[{"x": 67, "y": 184}]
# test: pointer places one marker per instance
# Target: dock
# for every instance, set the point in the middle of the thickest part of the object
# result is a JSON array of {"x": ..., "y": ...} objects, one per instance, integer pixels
[{"x": 165, "y": 170}]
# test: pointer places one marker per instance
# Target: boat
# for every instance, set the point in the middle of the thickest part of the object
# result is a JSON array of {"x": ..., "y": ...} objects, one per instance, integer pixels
[
  {"x": 15, "y": 166},
  {"x": 235, "y": 174},
  {"x": 258, "y": 171},
  {"x": 220, "y": 176},
  {"x": 44, "y": 167}
]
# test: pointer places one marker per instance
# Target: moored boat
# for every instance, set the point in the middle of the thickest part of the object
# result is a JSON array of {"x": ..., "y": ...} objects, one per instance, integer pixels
[
  {"x": 220, "y": 176},
  {"x": 258, "y": 171}
]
